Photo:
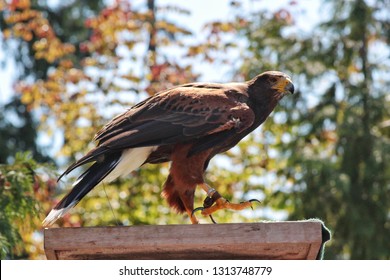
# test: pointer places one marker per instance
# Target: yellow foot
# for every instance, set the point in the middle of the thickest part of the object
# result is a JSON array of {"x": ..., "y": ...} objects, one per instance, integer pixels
[
  {"x": 222, "y": 203},
  {"x": 214, "y": 201}
]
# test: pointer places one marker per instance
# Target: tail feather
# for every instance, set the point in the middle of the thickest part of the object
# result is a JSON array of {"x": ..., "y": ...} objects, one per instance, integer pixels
[
  {"x": 93, "y": 155},
  {"x": 84, "y": 184},
  {"x": 106, "y": 169}
]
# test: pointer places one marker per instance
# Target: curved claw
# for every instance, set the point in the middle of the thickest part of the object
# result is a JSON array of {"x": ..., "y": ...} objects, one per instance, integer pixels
[
  {"x": 201, "y": 209},
  {"x": 212, "y": 219},
  {"x": 252, "y": 200},
  {"x": 196, "y": 209}
]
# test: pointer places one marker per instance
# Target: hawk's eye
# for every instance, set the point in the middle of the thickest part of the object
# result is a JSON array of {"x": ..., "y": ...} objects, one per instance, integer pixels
[{"x": 272, "y": 80}]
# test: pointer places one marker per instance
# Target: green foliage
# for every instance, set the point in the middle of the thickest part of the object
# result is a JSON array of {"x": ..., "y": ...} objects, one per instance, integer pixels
[{"x": 19, "y": 182}]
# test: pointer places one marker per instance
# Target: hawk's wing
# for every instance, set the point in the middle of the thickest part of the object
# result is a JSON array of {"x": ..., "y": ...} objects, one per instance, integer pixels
[{"x": 180, "y": 114}]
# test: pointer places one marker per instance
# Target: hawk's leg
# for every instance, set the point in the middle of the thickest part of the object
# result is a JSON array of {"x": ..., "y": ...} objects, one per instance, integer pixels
[
  {"x": 193, "y": 219},
  {"x": 215, "y": 201}
]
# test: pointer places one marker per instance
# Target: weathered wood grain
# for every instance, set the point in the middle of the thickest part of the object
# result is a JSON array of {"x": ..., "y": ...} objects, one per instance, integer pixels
[{"x": 267, "y": 240}]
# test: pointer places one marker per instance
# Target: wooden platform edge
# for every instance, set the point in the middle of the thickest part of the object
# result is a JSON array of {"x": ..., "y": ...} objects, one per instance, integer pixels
[{"x": 266, "y": 240}]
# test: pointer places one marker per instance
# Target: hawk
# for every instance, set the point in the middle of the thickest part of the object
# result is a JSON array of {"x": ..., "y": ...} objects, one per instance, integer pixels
[{"x": 186, "y": 125}]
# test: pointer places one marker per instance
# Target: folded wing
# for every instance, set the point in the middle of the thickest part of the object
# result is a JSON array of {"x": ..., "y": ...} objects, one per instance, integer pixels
[{"x": 178, "y": 115}]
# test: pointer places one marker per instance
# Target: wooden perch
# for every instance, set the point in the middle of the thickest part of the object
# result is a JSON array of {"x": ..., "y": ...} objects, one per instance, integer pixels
[{"x": 267, "y": 240}]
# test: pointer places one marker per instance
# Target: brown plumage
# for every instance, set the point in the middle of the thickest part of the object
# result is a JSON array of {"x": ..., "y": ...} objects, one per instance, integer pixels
[{"x": 186, "y": 125}]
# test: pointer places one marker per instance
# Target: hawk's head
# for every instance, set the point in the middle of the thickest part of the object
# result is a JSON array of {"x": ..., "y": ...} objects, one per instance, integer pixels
[{"x": 270, "y": 84}]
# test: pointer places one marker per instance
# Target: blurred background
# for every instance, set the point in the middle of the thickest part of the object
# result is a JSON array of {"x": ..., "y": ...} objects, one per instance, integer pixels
[{"x": 68, "y": 67}]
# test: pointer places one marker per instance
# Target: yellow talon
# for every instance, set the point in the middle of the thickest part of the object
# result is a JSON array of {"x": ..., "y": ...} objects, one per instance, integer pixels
[{"x": 214, "y": 201}]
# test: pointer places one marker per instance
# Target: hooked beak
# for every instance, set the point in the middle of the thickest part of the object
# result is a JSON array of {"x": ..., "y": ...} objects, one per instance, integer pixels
[
  {"x": 284, "y": 85},
  {"x": 290, "y": 88}
]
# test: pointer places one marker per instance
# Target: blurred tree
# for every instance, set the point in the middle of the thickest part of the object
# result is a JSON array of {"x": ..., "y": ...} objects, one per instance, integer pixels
[
  {"x": 22, "y": 184},
  {"x": 326, "y": 152},
  {"x": 18, "y": 125},
  {"x": 18, "y": 132},
  {"x": 31, "y": 31},
  {"x": 35, "y": 48}
]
